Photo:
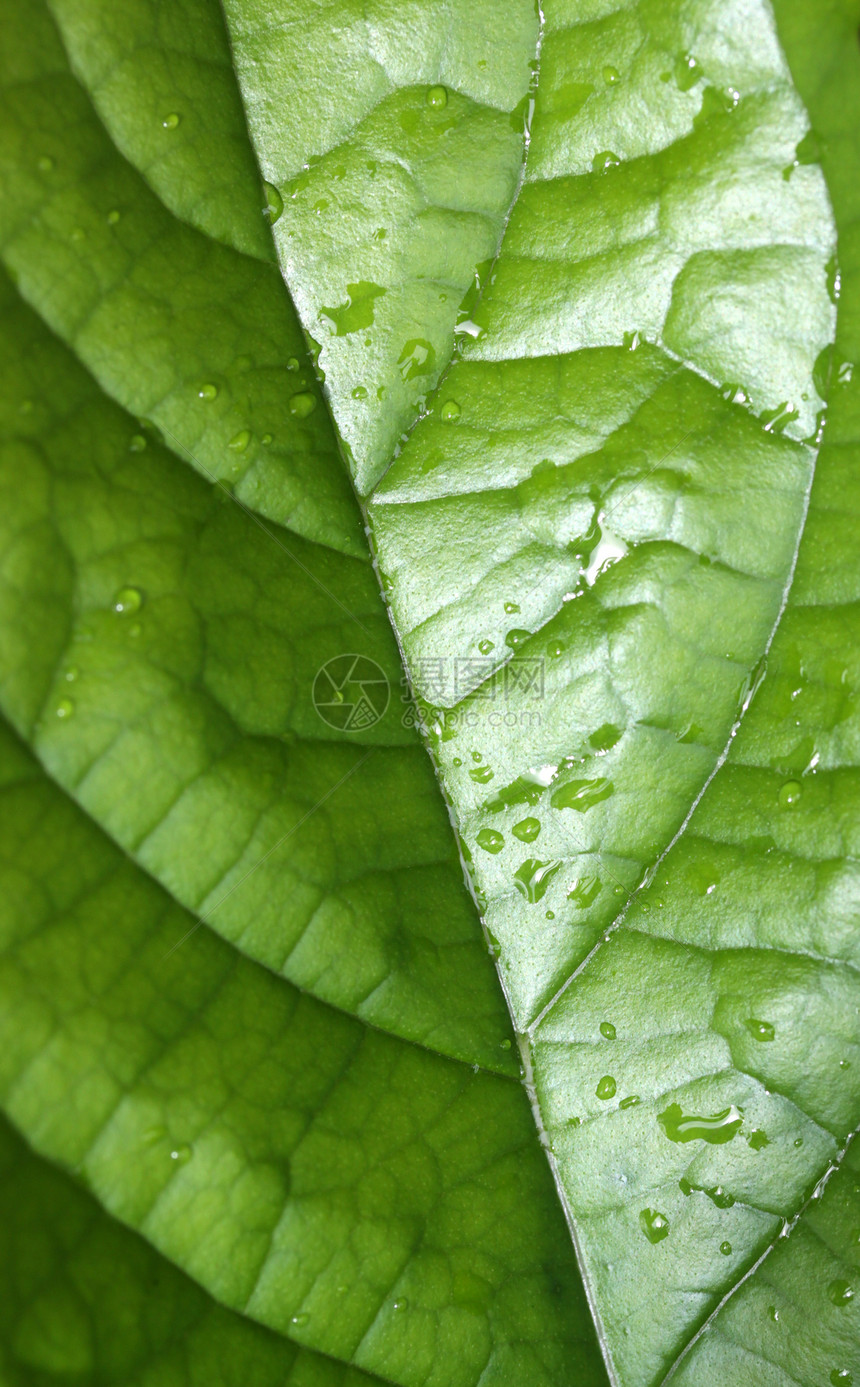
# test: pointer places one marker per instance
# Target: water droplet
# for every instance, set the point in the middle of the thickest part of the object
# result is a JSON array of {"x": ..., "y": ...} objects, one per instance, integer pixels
[
  {"x": 584, "y": 891},
  {"x": 605, "y": 160},
  {"x": 274, "y": 204},
  {"x": 777, "y": 420},
  {"x": 687, "y": 72},
  {"x": 605, "y": 737},
  {"x": 437, "y": 97},
  {"x": 554, "y": 649},
  {"x": 532, "y": 879},
  {"x": 606, "y": 1087},
  {"x": 717, "y": 1195},
  {"x": 611, "y": 75},
  {"x": 726, "y": 1249},
  {"x": 208, "y": 391},
  {"x": 356, "y": 313},
  {"x": 482, "y": 774},
  {"x": 504, "y": 1045},
  {"x": 71, "y": 673},
  {"x": 239, "y": 442},
  {"x": 171, "y": 121},
  {"x": 758, "y": 1139},
  {"x": 631, "y": 1101},
  {"x": 717, "y": 1129},
  {"x": 654, "y": 1225},
  {"x": 582, "y": 795},
  {"x": 516, "y": 637},
  {"x": 840, "y": 1377},
  {"x": 773, "y": 1313},
  {"x": 486, "y": 646},
  {"x": 418, "y": 358},
  {"x": 511, "y": 607},
  {"x": 299, "y": 1321},
  {"x": 302, "y": 404},
  {"x": 450, "y": 411},
  {"x": 137, "y": 443},
  {"x": 790, "y": 794},
  {"x": 401, "y": 1304},
  {"x": 360, "y": 392},
  {"x": 760, "y": 1030},
  {"x": 840, "y": 1293},
  {"x": 65, "y": 708},
  {"x": 293, "y": 363},
  {"x": 266, "y": 439},
  {"x": 113, "y": 216},
  {"x": 181, "y": 1154},
  {"x": 490, "y": 840},
  {"x": 607, "y": 1030},
  {"x": 526, "y": 830},
  {"x": 128, "y": 601},
  {"x": 45, "y": 163}
]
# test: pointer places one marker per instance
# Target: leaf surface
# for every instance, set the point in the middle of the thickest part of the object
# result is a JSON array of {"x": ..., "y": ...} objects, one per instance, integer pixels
[{"x": 570, "y": 290}]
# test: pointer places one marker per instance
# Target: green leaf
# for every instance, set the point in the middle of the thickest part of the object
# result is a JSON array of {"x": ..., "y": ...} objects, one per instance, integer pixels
[
  {"x": 85, "y": 1300},
  {"x": 569, "y": 285}
]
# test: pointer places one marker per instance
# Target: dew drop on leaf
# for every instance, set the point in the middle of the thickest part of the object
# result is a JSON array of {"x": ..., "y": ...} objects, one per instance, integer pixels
[
  {"x": 65, "y": 708},
  {"x": 239, "y": 442},
  {"x": 437, "y": 97},
  {"x": 208, "y": 391},
  {"x": 302, "y": 404},
  {"x": 687, "y": 72},
  {"x": 605, "y": 160},
  {"x": 790, "y": 794},
  {"x": 840, "y": 1293},
  {"x": 181, "y": 1154},
  {"x": 726, "y": 1249},
  {"x": 274, "y": 204},
  {"x": 128, "y": 601},
  {"x": 533, "y": 877},
  {"x": 606, "y": 1087},
  {"x": 526, "y": 830},
  {"x": 171, "y": 120},
  {"x": 716, "y": 1129},
  {"x": 760, "y": 1030},
  {"x": 490, "y": 840},
  {"x": 607, "y": 1030},
  {"x": 654, "y": 1225},
  {"x": 450, "y": 411}
]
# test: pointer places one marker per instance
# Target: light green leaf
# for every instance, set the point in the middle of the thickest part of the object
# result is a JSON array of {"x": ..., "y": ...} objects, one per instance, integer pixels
[{"x": 570, "y": 284}]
